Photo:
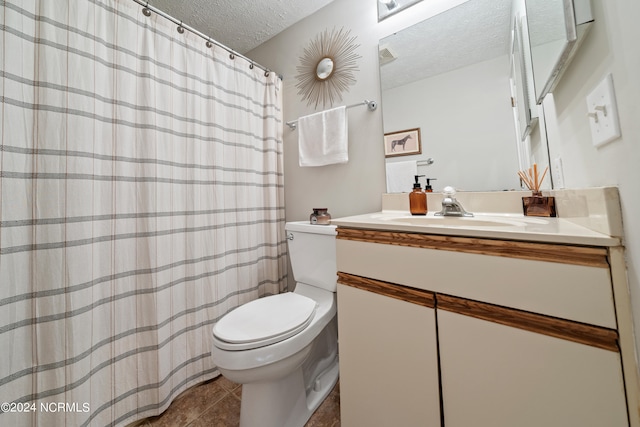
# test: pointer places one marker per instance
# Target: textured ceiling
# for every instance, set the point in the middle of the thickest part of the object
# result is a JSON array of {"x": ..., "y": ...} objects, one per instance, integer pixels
[
  {"x": 239, "y": 24},
  {"x": 475, "y": 31}
]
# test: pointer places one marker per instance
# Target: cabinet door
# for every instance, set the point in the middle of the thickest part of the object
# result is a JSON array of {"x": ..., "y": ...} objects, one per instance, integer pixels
[
  {"x": 500, "y": 376},
  {"x": 388, "y": 361}
]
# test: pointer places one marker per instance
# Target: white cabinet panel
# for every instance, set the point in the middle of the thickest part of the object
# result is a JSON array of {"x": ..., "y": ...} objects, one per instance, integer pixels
[
  {"x": 574, "y": 292},
  {"x": 499, "y": 376},
  {"x": 388, "y": 361}
]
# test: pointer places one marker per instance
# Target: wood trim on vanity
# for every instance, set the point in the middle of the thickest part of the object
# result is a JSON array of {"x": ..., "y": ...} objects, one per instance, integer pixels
[
  {"x": 565, "y": 254},
  {"x": 404, "y": 293},
  {"x": 595, "y": 336}
]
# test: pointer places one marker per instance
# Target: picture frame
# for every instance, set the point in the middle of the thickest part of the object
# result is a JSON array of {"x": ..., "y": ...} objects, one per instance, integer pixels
[{"x": 402, "y": 143}]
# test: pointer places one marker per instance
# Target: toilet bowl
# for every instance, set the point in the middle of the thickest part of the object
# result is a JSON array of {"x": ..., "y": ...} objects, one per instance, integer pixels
[{"x": 283, "y": 348}]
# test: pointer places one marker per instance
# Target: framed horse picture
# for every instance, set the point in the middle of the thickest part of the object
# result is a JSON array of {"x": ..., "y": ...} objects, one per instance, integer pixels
[{"x": 402, "y": 143}]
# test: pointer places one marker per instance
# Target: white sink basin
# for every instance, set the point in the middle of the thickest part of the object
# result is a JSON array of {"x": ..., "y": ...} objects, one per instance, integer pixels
[
  {"x": 466, "y": 222},
  {"x": 483, "y": 225}
]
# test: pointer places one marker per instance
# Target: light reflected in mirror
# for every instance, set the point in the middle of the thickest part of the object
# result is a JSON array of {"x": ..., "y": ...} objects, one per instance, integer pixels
[
  {"x": 387, "y": 8},
  {"x": 324, "y": 68},
  {"x": 449, "y": 76}
]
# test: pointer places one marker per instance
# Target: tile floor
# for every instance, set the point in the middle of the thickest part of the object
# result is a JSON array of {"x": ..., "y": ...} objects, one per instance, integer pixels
[{"x": 216, "y": 403}]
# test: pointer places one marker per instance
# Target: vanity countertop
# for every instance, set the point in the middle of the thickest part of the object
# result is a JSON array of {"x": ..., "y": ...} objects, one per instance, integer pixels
[{"x": 492, "y": 226}]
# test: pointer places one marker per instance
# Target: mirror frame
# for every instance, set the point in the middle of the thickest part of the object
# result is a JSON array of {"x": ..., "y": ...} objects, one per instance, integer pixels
[
  {"x": 521, "y": 81},
  {"x": 337, "y": 46}
]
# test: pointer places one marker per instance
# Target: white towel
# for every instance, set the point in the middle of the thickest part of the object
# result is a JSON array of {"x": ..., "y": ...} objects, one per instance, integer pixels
[
  {"x": 322, "y": 138},
  {"x": 401, "y": 176}
]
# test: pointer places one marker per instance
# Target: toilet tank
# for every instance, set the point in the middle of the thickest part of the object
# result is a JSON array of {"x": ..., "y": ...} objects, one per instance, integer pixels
[{"x": 312, "y": 251}]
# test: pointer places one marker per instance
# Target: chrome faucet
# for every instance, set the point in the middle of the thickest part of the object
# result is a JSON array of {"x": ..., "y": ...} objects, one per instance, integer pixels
[{"x": 451, "y": 206}]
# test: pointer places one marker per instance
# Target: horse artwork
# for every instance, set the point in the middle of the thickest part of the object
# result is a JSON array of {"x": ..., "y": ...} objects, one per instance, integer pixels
[{"x": 402, "y": 143}]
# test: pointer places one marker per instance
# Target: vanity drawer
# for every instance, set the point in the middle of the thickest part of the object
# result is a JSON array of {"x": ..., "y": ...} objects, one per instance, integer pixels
[{"x": 568, "y": 282}]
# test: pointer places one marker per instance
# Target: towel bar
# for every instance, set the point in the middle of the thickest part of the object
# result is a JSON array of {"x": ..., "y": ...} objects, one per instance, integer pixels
[{"x": 371, "y": 105}]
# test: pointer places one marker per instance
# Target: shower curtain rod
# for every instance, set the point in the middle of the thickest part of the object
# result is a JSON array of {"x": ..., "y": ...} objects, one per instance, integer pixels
[
  {"x": 147, "y": 7},
  {"x": 371, "y": 105}
]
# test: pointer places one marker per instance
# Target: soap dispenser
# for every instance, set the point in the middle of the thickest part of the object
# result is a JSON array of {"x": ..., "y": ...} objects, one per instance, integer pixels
[
  {"x": 417, "y": 199},
  {"x": 428, "y": 188}
]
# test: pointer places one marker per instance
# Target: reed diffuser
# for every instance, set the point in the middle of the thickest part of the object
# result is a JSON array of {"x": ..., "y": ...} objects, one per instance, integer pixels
[{"x": 536, "y": 204}]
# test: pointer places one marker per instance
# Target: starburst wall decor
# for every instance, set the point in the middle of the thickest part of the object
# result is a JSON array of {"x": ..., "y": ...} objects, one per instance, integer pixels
[{"x": 327, "y": 67}]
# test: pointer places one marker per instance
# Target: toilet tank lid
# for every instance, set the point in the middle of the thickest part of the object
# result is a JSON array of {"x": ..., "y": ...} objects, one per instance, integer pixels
[{"x": 305, "y": 227}]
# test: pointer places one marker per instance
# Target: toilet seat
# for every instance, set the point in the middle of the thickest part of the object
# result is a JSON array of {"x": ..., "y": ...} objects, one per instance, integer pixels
[{"x": 264, "y": 321}]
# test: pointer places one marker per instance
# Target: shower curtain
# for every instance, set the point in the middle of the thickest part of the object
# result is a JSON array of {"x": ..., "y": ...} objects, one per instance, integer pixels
[{"x": 141, "y": 198}]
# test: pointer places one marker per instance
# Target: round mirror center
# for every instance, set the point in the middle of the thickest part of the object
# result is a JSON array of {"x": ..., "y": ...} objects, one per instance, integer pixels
[{"x": 324, "y": 68}]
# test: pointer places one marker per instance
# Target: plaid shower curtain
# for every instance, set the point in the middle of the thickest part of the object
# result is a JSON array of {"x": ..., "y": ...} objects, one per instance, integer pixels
[{"x": 141, "y": 198}]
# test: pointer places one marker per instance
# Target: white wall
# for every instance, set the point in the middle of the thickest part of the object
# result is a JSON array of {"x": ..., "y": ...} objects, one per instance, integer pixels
[
  {"x": 468, "y": 107},
  {"x": 355, "y": 187},
  {"x": 611, "y": 46}
]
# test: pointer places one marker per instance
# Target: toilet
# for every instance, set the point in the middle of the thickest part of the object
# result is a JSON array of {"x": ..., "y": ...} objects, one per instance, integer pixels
[{"x": 283, "y": 348}]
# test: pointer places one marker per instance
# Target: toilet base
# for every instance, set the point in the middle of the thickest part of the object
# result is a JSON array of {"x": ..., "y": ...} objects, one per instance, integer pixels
[
  {"x": 283, "y": 403},
  {"x": 291, "y": 400}
]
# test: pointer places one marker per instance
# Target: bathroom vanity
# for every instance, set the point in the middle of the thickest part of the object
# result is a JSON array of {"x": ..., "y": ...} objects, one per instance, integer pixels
[{"x": 499, "y": 320}]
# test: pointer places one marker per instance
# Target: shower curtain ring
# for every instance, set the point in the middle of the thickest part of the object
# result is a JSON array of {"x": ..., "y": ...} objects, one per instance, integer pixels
[
  {"x": 209, "y": 44},
  {"x": 251, "y": 66},
  {"x": 146, "y": 11},
  {"x": 232, "y": 56},
  {"x": 180, "y": 28},
  {"x": 266, "y": 73}
]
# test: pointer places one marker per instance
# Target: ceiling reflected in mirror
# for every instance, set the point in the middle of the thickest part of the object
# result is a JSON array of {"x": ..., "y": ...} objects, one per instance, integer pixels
[
  {"x": 472, "y": 32},
  {"x": 387, "y": 8}
]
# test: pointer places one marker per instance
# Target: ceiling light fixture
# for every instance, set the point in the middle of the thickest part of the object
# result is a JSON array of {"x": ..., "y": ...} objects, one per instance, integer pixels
[
  {"x": 391, "y": 4},
  {"x": 387, "y": 8}
]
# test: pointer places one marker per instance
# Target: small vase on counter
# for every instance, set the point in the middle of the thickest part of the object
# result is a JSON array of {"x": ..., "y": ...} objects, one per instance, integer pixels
[
  {"x": 536, "y": 204},
  {"x": 539, "y": 205}
]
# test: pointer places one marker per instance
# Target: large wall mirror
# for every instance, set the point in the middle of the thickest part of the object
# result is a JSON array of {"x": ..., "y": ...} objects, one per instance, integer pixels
[{"x": 450, "y": 76}]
